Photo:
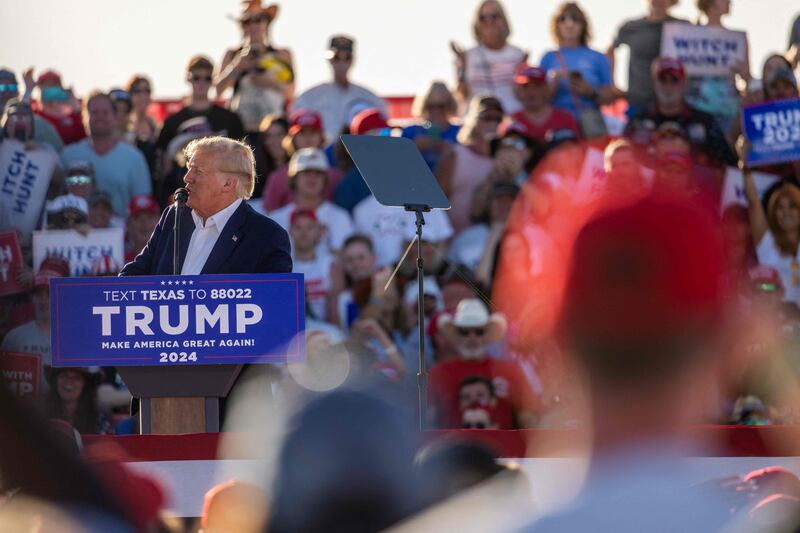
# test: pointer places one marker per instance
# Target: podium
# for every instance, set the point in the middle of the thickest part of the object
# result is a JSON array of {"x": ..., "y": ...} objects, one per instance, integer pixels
[
  {"x": 177, "y": 400},
  {"x": 179, "y": 342}
]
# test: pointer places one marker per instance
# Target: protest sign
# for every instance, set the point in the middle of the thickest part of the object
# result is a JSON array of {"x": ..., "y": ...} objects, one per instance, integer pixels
[
  {"x": 25, "y": 179},
  {"x": 177, "y": 320},
  {"x": 773, "y": 131},
  {"x": 20, "y": 373},
  {"x": 704, "y": 50},
  {"x": 10, "y": 261},
  {"x": 81, "y": 251},
  {"x": 733, "y": 188}
]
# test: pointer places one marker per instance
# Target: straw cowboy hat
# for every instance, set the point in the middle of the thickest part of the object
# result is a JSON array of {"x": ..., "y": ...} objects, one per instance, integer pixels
[
  {"x": 254, "y": 8},
  {"x": 472, "y": 313}
]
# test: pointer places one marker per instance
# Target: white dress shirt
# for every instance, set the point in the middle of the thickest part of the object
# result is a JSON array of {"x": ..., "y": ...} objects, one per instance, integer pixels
[{"x": 204, "y": 237}]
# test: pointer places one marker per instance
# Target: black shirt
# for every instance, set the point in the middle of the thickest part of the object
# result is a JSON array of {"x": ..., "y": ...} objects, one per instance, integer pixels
[{"x": 708, "y": 142}]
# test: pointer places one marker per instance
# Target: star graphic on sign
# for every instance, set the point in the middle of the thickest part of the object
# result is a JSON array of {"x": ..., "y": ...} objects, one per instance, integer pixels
[
  {"x": 191, "y": 282},
  {"x": 169, "y": 283},
  {"x": 163, "y": 282},
  {"x": 184, "y": 282}
]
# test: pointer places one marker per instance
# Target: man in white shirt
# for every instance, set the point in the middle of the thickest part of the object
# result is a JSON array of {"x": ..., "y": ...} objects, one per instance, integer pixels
[
  {"x": 391, "y": 227},
  {"x": 221, "y": 234},
  {"x": 308, "y": 179},
  {"x": 340, "y": 100}
]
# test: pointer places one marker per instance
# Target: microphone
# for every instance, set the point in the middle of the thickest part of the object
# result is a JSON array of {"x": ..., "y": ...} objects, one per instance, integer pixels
[{"x": 181, "y": 195}]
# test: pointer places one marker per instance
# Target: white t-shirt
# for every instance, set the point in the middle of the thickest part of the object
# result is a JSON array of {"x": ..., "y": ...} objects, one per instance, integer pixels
[
  {"x": 468, "y": 246},
  {"x": 338, "y": 225},
  {"x": 337, "y": 105},
  {"x": 492, "y": 71},
  {"x": 389, "y": 227},
  {"x": 317, "y": 274},
  {"x": 769, "y": 254}
]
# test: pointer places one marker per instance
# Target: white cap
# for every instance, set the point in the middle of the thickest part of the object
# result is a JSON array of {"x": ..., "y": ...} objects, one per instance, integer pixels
[
  {"x": 308, "y": 159},
  {"x": 431, "y": 288},
  {"x": 68, "y": 201}
]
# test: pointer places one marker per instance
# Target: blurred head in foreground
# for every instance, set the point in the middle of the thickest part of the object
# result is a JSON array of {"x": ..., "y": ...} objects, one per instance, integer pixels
[
  {"x": 234, "y": 506},
  {"x": 345, "y": 465},
  {"x": 641, "y": 315}
]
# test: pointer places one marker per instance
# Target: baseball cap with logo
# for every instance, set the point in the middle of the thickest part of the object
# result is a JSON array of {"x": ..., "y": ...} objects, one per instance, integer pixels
[
  {"x": 526, "y": 73},
  {"x": 339, "y": 43},
  {"x": 49, "y": 77},
  {"x": 53, "y": 266},
  {"x": 68, "y": 201},
  {"x": 367, "y": 121},
  {"x": 142, "y": 203},
  {"x": 308, "y": 159},
  {"x": 669, "y": 65},
  {"x": 304, "y": 118},
  {"x": 302, "y": 212}
]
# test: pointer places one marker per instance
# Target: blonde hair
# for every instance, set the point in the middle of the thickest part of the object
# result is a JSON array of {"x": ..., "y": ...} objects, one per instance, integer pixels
[
  {"x": 236, "y": 158},
  {"x": 503, "y": 18},
  {"x": 422, "y": 99}
]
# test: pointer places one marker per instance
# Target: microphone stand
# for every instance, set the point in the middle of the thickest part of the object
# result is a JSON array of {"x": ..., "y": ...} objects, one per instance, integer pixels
[{"x": 180, "y": 200}]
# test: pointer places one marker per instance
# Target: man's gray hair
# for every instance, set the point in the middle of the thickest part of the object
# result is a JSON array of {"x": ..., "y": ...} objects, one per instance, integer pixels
[{"x": 236, "y": 157}]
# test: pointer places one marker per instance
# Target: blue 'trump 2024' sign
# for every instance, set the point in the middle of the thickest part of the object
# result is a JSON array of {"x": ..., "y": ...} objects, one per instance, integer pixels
[
  {"x": 173, "y": 320},
  {"x": 773, "y": 130}
]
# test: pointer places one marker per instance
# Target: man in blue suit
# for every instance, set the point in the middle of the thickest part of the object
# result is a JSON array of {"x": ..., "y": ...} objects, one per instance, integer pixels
[{"x": 219, "y": 233}]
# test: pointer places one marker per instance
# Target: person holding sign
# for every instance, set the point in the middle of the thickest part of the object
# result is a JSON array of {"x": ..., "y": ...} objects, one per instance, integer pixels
[
  {"x": 776, "y": 231},
  {"x": 718, "y": 95},
  {"x": 220, "y": 233},
  {"x": 709, "y": 145}
]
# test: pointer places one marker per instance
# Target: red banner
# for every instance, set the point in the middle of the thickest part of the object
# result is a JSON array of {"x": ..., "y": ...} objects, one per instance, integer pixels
[
  {"x": 10, "y": 261},
  {"x": 20, "y": 373}
]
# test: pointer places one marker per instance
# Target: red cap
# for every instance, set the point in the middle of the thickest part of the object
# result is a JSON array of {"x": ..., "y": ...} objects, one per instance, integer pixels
[
  {"x": 49, "y": 77},
  {"x": 142, "y": 203},
  {"x": 304, "y": 118},
  {"x": 368, "y": 120},
  {"x": 646, "y": 271},
  {"x": 297, "y": 213},
  {"x": 526, "y": 73},
  {"x": 514, "y": 127},
  {"x": 53, "y": 266},
  {"x": 671, "y": 65}
]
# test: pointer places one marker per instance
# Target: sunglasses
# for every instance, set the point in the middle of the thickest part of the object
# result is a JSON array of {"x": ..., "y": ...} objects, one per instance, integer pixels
[
  {"x": 255, "y": 20},
  {"x": 476, "y": 425},
  {"x": 513, "y": 142},
  {"x": 465, "y": 332},
  {"x": 195, "y": 77},
  {"x": 8, "y": 87},
  {"x": 141, "y": 90},
  {"x": 489, "y": 17},
  {"x": 78, "y": 180},
  {"x": 669, "y": 79},
  {"x": 569, "y": 16},
  {"x": 490, "y": 117},
  {"x": 66, "y": 218}
]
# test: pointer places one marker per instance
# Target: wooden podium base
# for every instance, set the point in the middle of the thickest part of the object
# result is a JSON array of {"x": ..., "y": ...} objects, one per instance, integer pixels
[{"x": 171, "y": 416}]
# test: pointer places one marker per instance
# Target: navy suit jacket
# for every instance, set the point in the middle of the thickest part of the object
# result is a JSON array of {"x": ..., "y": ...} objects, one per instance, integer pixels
[{"x": 250, "y": 243}]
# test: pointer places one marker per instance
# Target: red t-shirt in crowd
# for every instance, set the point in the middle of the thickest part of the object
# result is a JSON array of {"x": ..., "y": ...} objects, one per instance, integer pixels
[
  {"x": 558, "y": 120},
  {"x": 508, "y": 379},
  {"x": 69, "y": 128}
]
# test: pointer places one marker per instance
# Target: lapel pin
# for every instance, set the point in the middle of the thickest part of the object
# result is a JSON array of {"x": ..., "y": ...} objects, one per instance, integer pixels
[{"x": 235, "y": 238}]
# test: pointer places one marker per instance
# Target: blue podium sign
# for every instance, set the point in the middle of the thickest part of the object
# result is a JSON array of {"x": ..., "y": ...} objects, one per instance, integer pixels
[
  {"x": 177, "y": 320},
  {"x": 773, "y": 130}
]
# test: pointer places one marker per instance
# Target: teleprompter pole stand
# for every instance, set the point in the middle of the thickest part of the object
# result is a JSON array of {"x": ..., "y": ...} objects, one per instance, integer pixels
[{"x": 422, "y": 374}]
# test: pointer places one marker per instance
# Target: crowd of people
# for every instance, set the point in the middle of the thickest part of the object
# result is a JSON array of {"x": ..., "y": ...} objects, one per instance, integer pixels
[{"x": 526, "y": 151}]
